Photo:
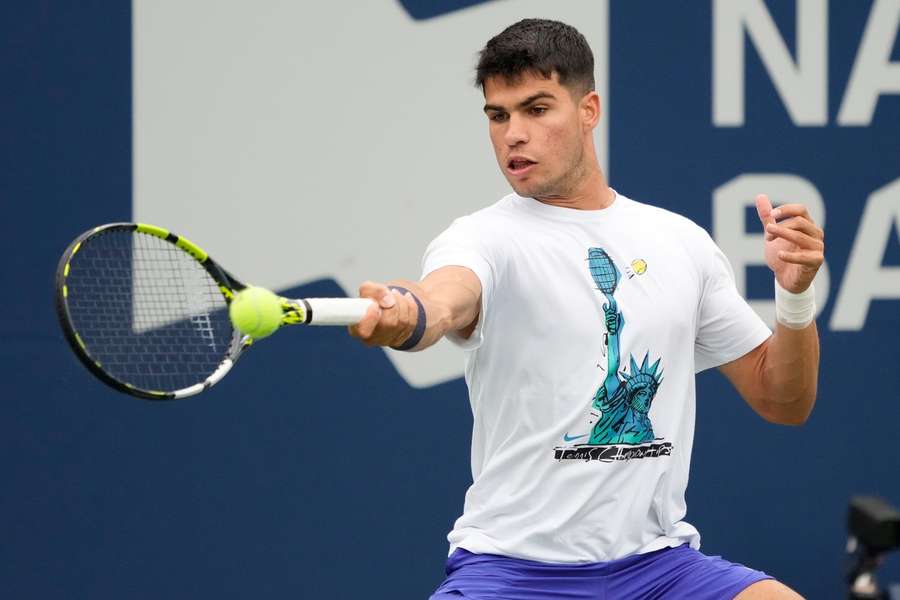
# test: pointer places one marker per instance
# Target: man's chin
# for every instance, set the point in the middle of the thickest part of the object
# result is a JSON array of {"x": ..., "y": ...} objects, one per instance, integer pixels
[
  {"x": 525, "y": 190},
  {"x": 538, "y": 190}
]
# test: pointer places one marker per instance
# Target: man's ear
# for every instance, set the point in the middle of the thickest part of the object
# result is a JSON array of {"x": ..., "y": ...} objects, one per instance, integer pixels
[{"x": 589, "y": 109}]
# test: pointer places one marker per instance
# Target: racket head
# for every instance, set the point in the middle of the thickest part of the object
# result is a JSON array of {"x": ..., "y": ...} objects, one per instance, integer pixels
[
  {"x": 146, "y": 311},
  {"x": 603, "y": 270}
]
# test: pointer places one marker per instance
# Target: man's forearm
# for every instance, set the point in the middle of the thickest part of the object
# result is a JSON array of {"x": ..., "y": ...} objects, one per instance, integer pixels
[
  {"x": 790, "y": 370},
  {"x": 451, "y": 303},
  {"x": 414, "y": 318},
  {"x": 438, "y": 316}
]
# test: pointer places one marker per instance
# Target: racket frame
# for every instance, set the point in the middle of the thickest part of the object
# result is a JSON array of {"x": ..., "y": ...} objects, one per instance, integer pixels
[
  {"x": 301, "y": 311},
  {"x": 227, "y": 284}
]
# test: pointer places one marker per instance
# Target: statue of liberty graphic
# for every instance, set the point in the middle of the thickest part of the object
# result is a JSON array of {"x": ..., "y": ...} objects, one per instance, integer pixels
[{"x": 623, "y": 399}]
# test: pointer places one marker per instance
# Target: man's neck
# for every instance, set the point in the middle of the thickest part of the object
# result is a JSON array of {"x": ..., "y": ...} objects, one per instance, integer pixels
[{"x": 592, "y": 193}]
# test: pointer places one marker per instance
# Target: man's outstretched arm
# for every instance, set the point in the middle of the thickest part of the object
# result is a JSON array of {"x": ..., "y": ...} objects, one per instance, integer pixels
[
  {"x": 778, "y": 378},
  {"x": 450, "y": 298}
]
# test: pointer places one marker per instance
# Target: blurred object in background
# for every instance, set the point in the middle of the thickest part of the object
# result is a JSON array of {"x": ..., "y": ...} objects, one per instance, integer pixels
[{"x": 874, "y": 527}]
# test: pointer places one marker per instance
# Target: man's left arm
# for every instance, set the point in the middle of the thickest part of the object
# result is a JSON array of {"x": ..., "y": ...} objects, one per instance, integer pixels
[{"x": 778, "y": 378}]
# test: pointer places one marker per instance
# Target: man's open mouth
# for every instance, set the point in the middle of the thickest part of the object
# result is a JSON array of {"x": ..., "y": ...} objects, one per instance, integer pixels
[{"x": 517, "y": 165}]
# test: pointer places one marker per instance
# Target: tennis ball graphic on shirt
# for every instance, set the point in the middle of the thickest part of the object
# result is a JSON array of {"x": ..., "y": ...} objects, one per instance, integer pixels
[{"x": 639, "y": 266}]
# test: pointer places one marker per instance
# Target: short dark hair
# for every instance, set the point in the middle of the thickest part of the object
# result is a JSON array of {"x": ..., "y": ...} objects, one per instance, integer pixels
[{"x": 538, "y": 46}]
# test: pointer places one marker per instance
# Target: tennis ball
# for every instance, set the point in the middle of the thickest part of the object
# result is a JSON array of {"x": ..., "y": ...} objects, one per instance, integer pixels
[{"x": 256, "y": 312}]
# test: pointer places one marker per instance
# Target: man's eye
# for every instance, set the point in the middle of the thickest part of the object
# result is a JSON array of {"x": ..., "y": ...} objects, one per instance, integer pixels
[
  {"x": 538, "y": 110},
  {"x": 498, "y": 117}
]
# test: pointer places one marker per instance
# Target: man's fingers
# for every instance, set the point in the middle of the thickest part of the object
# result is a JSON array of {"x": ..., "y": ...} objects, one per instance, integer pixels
[
  {"x": 391, "y": 318},
  {"x": 377, "y": 292},
  {"x": 406, "y": 310},
  {"x": 389, "y": 312},
  {"x": 800, "y": 238},
  {"x": 370, "y": 289},
  {"x": 778, "y": 220},
  {"x": 370, "y": 321},
  {"x": 803, "y": 224},
  {"x": 379, "y": 317},
  {"x": 366, "y": 326},
  {"x": 764, "y": 209},
  {"x": 387, "y": 299},
  {"x": 790, "y": 210},
  {"x": 808, "y": 258},
  {"x": 402, "y": 318}
]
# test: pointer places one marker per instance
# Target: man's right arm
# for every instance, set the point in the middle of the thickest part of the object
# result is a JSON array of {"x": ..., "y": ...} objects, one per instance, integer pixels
[{"x": 450, "y": 296}]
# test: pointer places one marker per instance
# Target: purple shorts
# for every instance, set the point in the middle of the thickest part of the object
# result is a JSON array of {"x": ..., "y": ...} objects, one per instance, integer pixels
[{"x": 668, "y": 573}]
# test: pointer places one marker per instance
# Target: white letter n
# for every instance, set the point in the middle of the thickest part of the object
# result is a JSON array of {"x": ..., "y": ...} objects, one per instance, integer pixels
[{"x": 802, "y": 86}]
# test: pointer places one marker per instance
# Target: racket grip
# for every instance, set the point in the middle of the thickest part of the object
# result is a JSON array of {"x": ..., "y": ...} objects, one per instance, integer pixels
[{"x": 338, "y": 311}]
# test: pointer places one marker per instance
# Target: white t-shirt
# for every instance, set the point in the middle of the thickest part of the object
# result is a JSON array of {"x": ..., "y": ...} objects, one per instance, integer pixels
[{"x": 568, "y": 464}]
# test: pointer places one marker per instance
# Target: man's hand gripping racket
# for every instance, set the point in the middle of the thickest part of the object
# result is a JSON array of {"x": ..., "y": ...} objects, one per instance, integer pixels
[{"x": 147, "y": 311}]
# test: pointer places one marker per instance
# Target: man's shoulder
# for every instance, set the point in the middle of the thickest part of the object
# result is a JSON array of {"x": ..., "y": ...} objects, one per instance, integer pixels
[
  {"x": 662, "y": 219},
  {"x": 499, "y": 208},
  {"x": 477, "y": 228},
  {"x": 658, "y": 213},
  {"x": 485, "y": 219}
]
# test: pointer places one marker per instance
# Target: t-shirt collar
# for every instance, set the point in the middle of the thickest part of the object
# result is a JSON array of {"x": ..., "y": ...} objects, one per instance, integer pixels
[{"x": 569, "y": 214}]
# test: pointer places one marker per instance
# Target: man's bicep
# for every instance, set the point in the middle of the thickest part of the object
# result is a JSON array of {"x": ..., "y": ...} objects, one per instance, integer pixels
[
  {"x": 458, "y": 289},
  {"x": 745, "y": 374}
]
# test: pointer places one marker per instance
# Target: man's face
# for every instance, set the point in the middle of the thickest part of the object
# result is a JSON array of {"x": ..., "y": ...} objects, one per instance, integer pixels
[
  {"x": 537, "y": 131},
  {"x": 641, "y": 400}
]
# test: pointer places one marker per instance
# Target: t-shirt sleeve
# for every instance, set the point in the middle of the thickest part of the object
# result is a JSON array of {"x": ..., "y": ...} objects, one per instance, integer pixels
[
  {"x": 727, "y": 328},
  {"x": 461, "y": 245}
]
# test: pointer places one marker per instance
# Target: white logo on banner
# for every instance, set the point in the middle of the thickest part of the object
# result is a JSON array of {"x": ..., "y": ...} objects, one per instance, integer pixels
[{"x": 802, "y": 87}]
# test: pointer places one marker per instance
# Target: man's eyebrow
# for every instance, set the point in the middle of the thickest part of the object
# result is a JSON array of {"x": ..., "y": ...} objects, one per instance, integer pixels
[{"x": 529, "y": 100}]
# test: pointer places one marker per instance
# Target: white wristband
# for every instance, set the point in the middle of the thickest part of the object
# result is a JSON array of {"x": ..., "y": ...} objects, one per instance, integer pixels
[{"x": 795, "y": 311}]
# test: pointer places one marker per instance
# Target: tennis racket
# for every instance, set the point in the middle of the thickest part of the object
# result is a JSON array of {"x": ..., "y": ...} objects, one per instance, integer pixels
[
  {"x": 606, "y": 277},
  {"x": 146, "y": 311},
  {"x": 603, "y": 271}
]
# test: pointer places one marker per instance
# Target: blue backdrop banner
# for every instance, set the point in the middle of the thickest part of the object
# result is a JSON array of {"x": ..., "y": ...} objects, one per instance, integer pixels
[{"x": 235, "y": 126}]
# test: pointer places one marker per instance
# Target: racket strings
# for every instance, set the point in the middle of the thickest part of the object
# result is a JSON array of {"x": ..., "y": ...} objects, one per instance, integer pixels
[
  {"x": 148, "y": 312},
  {"x": 603, "y": 270}
]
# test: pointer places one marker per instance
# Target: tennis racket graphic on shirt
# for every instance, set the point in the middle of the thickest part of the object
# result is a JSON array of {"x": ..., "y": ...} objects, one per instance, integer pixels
[
  {"x": 605, "y": 275},
  {"x": 603, "y": 271},
  {"x": 146, "y": 311}
]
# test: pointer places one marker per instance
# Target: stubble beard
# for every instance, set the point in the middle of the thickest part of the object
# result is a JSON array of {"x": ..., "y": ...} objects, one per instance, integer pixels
[{"x": 562, "y": 186}]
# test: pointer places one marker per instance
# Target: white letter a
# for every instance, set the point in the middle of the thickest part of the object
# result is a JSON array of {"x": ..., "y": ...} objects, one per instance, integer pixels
[{"x": 865, "y": 279}]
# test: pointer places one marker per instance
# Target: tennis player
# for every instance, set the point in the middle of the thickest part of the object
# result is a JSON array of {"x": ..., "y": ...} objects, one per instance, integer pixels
[{"x": 585, "y": 315}]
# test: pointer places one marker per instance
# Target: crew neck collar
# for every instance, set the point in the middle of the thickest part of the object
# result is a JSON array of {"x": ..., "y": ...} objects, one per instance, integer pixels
[{"x": 569, "y": 214}]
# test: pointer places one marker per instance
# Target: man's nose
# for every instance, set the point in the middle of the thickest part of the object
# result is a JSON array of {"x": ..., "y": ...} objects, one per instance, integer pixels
[{"x": 516, "y": 131}]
